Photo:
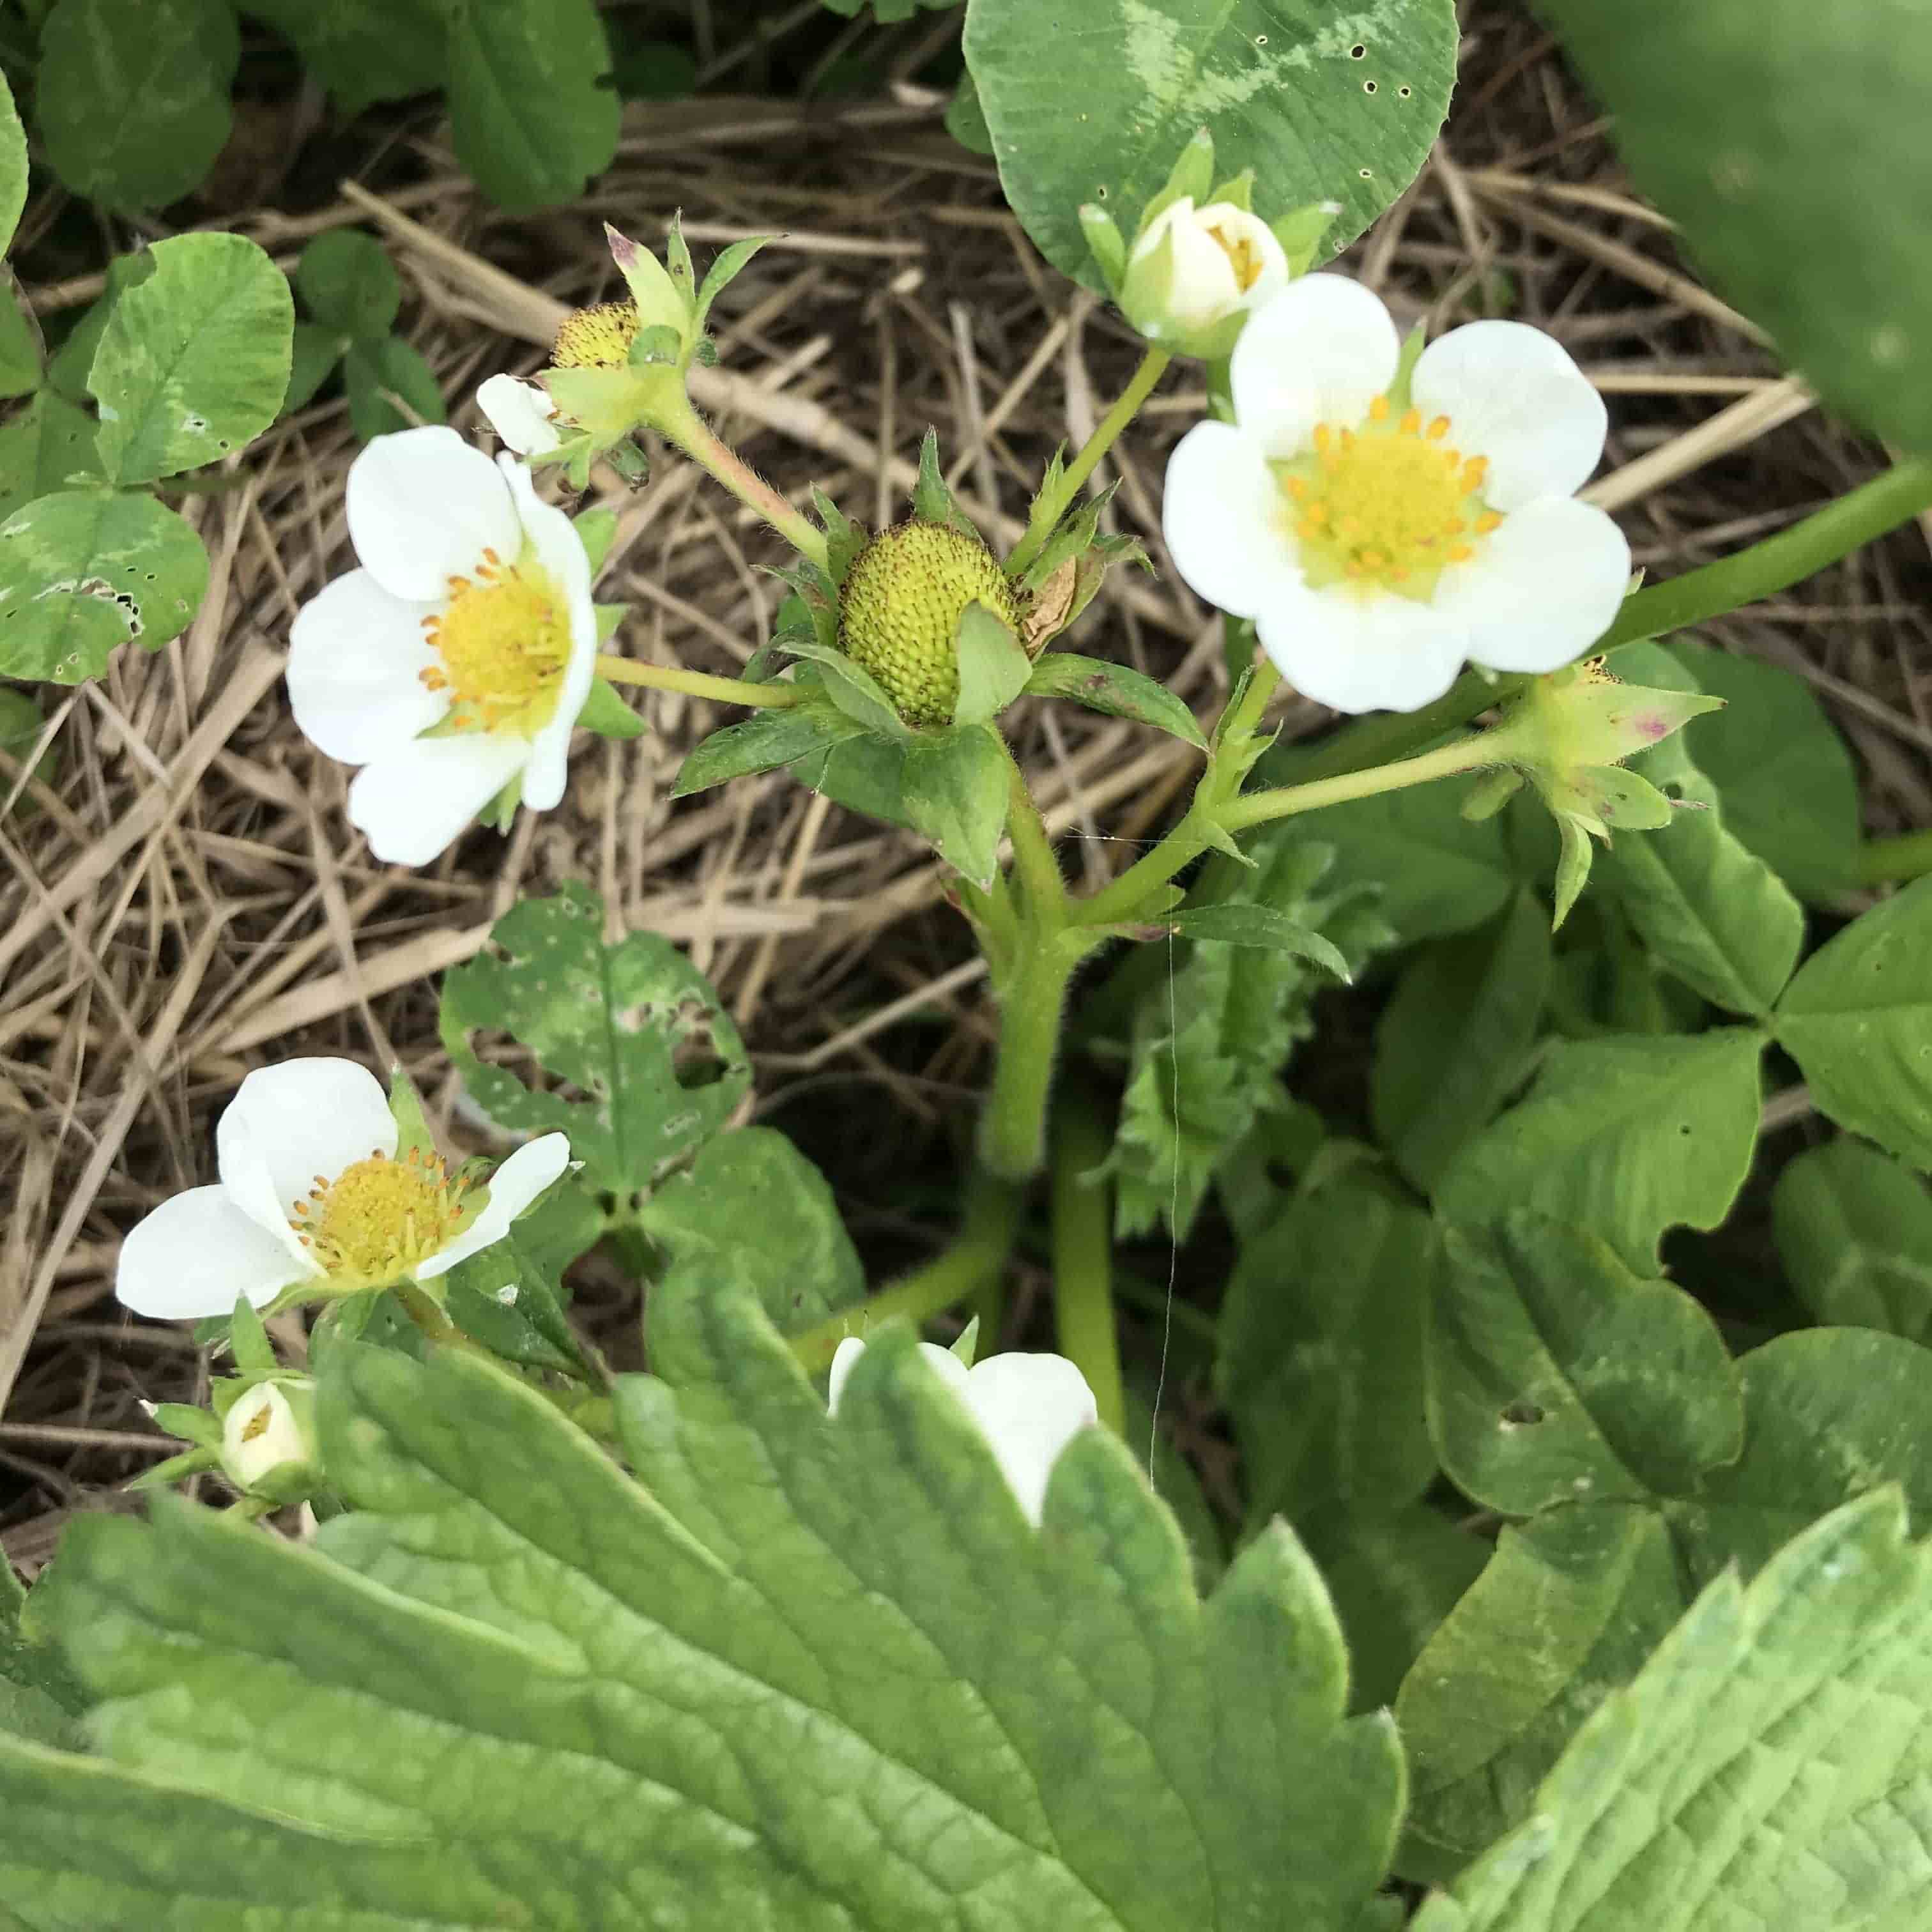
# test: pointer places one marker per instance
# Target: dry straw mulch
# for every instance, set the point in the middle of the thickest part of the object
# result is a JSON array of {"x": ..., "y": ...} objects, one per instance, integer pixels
[{"x": 187, "y": 900}]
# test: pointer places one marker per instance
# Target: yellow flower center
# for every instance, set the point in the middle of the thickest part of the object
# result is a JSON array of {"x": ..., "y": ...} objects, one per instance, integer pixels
[
  {"x": 379, "y": 1217},
  {"x": 1387, "y": 504},
  {"x": 596, "y": 338},
  {"x": 257, "y": 1424},
  {"x": 503, "y": 643},
  {"x": 1243, "y": 256}
]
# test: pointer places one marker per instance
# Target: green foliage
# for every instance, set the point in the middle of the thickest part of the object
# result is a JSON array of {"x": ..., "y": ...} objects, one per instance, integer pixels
[
  {"x": 993, "y": 669},
  {"x": 363, "y": 51},
  {"x": 131, "y": 96},
  {"x": 512, "y": 1296},
  {"x": 529, "y": 112},
  {"x": 19, "y": 347},
  {"x": 752, "y": 1210},
  {"x": 390, "y": 388},
  {"x": 1783, "y": 139},
  {"x": 1858, "y": 1020},
  {"x": 40, "y": 1697},
  {"x": 48, "y": 445},
  {"x": 955, "y": 787},
  {"x": 13, "y": 167},
  {"x": 194, "y": 360},
  {"x": 1854, "y": 1230},
  {"x": 1626, "y": 1136},
  {"x": 1208, "y": 1042},
  {"x": 1116, "y": 690},
  {"x": 1761, "y": 1769},
  {"x": 85, "y": 571},
  {"x": 633, "y": 1028},
  {"x": 655, "y": 1697},
  {"x": 1454, "y": 1040},
  {"x": 1090, "y": 101},
  {"x": 766, "y": 739},
  {"x": 345, "y": 279}
]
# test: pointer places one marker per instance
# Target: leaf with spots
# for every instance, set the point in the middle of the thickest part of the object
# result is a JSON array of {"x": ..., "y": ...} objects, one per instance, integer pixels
[
  {"x": 641, "y": 1062},
  {"x": 1092, "y": 101},
  {"x": 791, "y": 1670},
  {"x": 82, "y": 572},
  {"x": 194, "y": 361}
]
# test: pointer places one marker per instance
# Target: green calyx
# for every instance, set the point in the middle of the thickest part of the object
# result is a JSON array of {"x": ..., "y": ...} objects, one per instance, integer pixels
[{"x": 900, "y": 608}]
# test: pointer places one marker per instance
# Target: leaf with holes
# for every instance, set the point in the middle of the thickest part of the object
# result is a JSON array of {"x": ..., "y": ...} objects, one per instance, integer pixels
[
  {"x": 1623, "y": 1138},
  {"x": 194, "y": 361},
  {"x": 131, "y": 96},
  {"x": 82, "y": 572},
  {"x": 799, "y": 1670},
  {"x": 531, "y": 112},
  {"x": 634, "y": 1028},
  {"x": 752, "y": 1210},
  {"x": 1093, "y": 100},
  {"x": 1764, "y": 1767},
  {"x": 1854, "y": 1230},
  {"x": 1858, "y": 1020}
]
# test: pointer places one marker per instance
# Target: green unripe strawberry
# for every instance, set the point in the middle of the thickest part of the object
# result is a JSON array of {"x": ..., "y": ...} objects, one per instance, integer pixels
[{"x": 901, "y": 603}]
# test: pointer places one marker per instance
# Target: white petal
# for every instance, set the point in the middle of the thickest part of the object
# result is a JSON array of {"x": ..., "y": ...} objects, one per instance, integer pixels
[
  {"x": 560, "y": 551},
  {"x": 418, "y": 798},
  {"x": 950, "y": 1368},
  {"x": 356, "y": 656},
  {"x": 521, "y": 413},
  {"x": 1029, "y": 1408},
  {"x": 1512, "y": 394},
  {"x": 289, "y": 1123},
  {"x": 1226, "y": 521},
  {"x": 1378, "y": 652},
  {"x": 423, "y": 507},
  {"x": 1320, "y": 351},
  {"x": 512, "y": 1188},
  {"x": 1542, "y": 588},
  {"x": 196, "y": 1255},
  {"x": 276, "y": 1436}
]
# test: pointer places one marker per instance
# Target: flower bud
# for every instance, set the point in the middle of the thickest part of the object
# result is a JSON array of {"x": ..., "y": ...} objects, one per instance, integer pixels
[
  {"x": 267, "y": 1430},
  {"x": 900, "y": 608},
  {"x": 1195, "y": 272}
]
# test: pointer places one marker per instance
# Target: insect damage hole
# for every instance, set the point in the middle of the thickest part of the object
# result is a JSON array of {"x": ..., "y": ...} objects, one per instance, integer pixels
[
  {"x": 1357, "y": 52},
  {"x": 1520, "y": 1415},
  {"x": 1368, "y": 87}
]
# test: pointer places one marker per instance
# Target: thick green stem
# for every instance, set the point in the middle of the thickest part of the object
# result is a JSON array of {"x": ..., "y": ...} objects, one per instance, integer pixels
[
  {"x": 991, "y": 1224},
  {"x": 1012, "y": 1129},
  {"x": 1258, "y": 808},
  {"x": 682, "y": 426},
  {"x": 1865, "y": 514},
  {"x": 1083, "y": 1251},
  {"x": 696, "y": 683},
  {"x": 1039, "y": 870},
  {"x": 1888, "y": 861},
  {"x": 1048, "y": 510}
]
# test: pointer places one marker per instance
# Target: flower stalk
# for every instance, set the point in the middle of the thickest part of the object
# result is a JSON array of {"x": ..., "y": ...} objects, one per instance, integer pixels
[
  {"x": 696, "y": 683},
  {"x": 1083, "y": 1290},
  {"x": 681, "y": 426}
]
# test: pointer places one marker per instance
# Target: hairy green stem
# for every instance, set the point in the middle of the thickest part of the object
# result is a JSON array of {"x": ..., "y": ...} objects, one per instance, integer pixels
[
  {"x": 1048, "y": 510},
  {"x": 682, "y": 426},
  {"x": 1460, "y": 755},
  {"x": 1884, "y": 862},
  {"x": 986, "y": 1237},
  {"x": 696, "y": 683},
  {"x": 1012, "y": 1129},
  {"x": 1083, "y": 1251},
  {"x": 1039, "y": 870}
]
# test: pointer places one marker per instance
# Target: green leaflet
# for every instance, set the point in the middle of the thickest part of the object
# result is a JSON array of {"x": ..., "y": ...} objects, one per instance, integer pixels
[
  {"x": 345, "y": 278},
  {"x": 48, "y": 445},
  {"x": 1854, "y": 1230},
  {"x": 40, "y": 1698},
  {"x": 1858, "y": 1019},
  {"x": 633, "y": 1027},
  {"x": 390, "y": 388},
  {"x": 19, "y": 347},
  {"x": 85, "y": 572},
  {"x": 658, "y": 1700},
  {"x": 780, "y": 736},
  {"x": 752, "y": 1209},
  {"x": 131, "y": 96},
  {"x": 194, "y": 360},
  {"x": 13, "y": 167},
  {"x": 1783, "y": 138},
  {"x": 363, "y": 51},
  {"x": 1114, "y": 689},
  {"x": 955, "y": 789},
  {"x": 1092, "y": 100},
  {"x": 1626, "y": 1137},
  {"x": 1763, "y": 1769}
]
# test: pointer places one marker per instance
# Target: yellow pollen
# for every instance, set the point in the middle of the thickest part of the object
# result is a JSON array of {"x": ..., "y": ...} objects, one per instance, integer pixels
[
  {"x": 379, "y": 1217},
  {"x": 502, "y": 644},
  {"x": 1243, "y": 257},
  {"x": 1379, "y": 505}
]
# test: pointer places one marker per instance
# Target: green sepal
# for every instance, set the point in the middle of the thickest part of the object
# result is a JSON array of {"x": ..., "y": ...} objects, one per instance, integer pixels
[
  {"x": 932, "y": 500},
  {"x": 764, "y": 742},
  {"x": 1238, "y": 924},
  {"x": 1300, "y": 233},
  {"x": 610, "y": 620},
  {"x": 174, "y": 1468},
  {"x": 1103, "y": 238},
  {"x": 1115, "y": 690},
  {"x": 677, "y": 259},
  {"x": 605, "y": 712},
  {"x": 1238, "y": 191},
  {"x": 955, "y": 786},
  {"x": 853, "y": 688},
  {"x": 993, "y": 668},
  {"x": 844, "y": 539},
  {"x": 500, "y": 814},
  {"x": 187, "y": 1422},
  {"x": 724, "y": 267},
  {"x": 595, "y": 530},
  {"x": 656, "y": 346},
  {"x": 1223, "y": 841},
  {"x": 661, "y": 302},
  {"x": 1573, "y": 866},
  {"x": 965, "y": 1345},
  {"x": 608, "y": 404},
  {"x": 1490, "y": 793},
  {"x": 1193, "y": 174},
  {"x": 1407, "y": 357},
  {"x": 248, "y": 1340},
  {"x": 405, "y": 1107}
]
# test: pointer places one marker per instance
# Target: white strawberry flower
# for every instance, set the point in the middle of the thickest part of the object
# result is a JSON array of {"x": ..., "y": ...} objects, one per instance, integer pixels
[
  {"x": 312, "y": 1193},
  {"x": 1194, "y": 267},
  {"x": 263, "y": 1431},
  {"x": 1381, "y": 526},
  {"x": 454, "y": 663},
  {"x": 1028, "y": 1407},
  {"x": 521, "y": 413}
]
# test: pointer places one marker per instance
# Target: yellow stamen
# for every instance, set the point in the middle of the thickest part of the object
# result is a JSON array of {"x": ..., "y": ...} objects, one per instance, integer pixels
[
  {"x": 379, "y": 1217},
  {"x": 1379, "y": 409},
  {"x": 1439, "y": 429},
  {"x": 503, "y": 643}
]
